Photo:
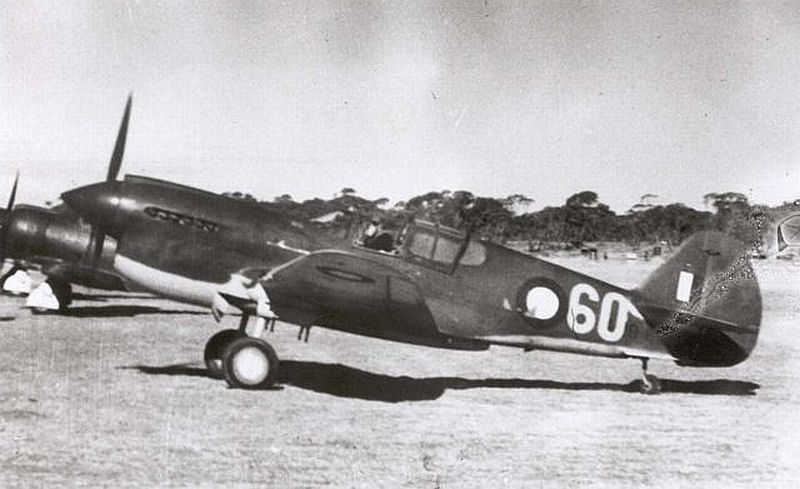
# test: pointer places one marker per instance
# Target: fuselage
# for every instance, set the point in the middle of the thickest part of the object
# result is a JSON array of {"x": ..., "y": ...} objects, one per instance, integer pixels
[
  {"x": 188, "y": 245},
  {"x": 440, "y": 288}
]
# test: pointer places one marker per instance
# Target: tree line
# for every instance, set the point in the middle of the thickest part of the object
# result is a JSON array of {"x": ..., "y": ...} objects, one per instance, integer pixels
[{"x": 582, "y": 218}]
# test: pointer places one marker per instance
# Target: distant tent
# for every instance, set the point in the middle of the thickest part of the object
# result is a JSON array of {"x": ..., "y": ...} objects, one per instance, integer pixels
[{"x": 327, "y": 218}]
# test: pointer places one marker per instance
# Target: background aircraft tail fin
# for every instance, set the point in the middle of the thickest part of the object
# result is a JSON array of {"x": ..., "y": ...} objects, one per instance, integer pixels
[{"x": 704, "y": 301}]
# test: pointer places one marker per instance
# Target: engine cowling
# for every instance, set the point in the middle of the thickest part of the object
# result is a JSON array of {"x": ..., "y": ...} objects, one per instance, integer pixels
[{"x": 38, "y": 232}]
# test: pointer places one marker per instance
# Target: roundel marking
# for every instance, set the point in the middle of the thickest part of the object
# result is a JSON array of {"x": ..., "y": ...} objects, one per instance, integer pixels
[{"x": 542, "y": 301}]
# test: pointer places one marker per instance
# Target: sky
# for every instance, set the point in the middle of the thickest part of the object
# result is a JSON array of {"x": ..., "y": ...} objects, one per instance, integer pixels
[{"x": 395, "y": 99}]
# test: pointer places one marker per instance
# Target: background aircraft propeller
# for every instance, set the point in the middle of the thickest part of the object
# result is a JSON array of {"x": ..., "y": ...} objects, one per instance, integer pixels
[
  {"x": 5, "y": 220},
  {"x": 98, "y": 236}
]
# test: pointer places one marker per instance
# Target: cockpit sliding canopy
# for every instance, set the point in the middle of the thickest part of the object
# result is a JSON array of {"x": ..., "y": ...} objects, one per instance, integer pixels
[{"x": 441, "y": 247}]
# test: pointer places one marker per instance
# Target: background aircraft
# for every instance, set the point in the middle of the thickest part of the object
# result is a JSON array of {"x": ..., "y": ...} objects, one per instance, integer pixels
[
  {"x": 437, "y": 287},
  {"x": 789, "y": 232},
  {"x": 54, "y": 242},
  {"x": 60, "y": 244}
]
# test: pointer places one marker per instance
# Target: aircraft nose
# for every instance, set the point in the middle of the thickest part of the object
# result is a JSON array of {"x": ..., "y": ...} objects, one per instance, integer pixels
[{"x": 97, "y": 203}]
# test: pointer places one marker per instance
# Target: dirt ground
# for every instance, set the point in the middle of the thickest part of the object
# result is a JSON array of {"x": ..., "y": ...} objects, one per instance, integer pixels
[{"x": 114, "y": 395}]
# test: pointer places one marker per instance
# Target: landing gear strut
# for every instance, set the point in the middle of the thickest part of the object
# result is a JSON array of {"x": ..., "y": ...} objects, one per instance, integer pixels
[
  {"x": 303, "y": 333},
  {"x": 241, "y": 357},
  {"x": 650, "y": 383}
]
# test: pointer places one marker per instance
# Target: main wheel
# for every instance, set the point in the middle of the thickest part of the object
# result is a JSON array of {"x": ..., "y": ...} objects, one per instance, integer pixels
[
  {"x": 650, "y": 385},
  {"x": 250, "y": 363},
  {"x": 215, "y": 348}
]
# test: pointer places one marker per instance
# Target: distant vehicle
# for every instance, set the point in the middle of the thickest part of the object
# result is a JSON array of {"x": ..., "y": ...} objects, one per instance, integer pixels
[{"x": 437, "y": 287}]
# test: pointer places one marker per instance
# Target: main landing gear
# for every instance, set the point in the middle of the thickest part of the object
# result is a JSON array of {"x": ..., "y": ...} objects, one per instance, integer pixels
[
  {"x": 241, "y": 357},
  {"x": 650, "y": 383}
]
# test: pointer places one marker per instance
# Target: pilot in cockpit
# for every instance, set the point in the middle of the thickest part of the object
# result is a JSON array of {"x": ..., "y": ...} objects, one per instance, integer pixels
[{"x": 376, "y": 238}]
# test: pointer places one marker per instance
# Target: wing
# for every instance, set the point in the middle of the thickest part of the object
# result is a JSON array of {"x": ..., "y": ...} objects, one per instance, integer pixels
[{"x": 348, "y": 292}]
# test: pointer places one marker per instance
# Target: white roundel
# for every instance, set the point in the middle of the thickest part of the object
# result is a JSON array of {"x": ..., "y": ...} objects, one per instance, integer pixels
[{"x": 541, "y": 303}]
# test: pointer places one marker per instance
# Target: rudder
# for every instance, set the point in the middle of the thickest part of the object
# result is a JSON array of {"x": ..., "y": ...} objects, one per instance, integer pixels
[{"x": 704, "y": 301}]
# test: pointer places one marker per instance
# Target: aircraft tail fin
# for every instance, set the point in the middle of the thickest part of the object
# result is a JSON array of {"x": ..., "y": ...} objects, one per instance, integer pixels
[{"x": 704, "y": 301}]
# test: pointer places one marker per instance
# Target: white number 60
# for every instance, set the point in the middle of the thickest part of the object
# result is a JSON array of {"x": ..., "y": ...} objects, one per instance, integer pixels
[{"x": 582, "y": 319}]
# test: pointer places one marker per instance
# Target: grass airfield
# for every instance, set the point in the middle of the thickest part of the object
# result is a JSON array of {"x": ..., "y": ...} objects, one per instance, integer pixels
[{"x": 115, "y": 394}]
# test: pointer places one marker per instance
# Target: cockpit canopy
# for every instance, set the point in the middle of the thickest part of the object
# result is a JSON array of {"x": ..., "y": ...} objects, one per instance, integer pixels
[
  {"x": 441, "y": 245},
  {"x": 427, "y": 243}
]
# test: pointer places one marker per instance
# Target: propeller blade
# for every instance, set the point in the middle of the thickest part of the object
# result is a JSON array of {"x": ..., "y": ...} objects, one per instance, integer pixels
[
  {"x": 119, "y": 147},
  {"x": 99, "y": 240},
  {"x": 97, "y": 237},
  {"x": 5, "y": 219},
  {"x": 94, "y": 249},
  {"x": 13, "y": 196}
]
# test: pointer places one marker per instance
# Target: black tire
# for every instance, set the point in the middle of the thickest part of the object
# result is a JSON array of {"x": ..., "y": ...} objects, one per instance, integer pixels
[
  {"x": 63, "y": 292},
  {"x": 215, "y": 348},
  {"x": 250, "y": 363}
]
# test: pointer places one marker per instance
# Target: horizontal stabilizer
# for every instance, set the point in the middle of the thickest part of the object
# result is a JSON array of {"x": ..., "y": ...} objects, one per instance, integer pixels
[{"x": 685, "y": 318}]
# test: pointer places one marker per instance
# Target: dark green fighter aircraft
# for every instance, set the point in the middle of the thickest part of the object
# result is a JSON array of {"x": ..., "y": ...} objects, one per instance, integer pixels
[{"x": 431, "y": 285}]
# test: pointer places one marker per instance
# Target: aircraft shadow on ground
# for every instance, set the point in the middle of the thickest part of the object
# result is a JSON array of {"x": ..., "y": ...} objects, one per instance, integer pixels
[
  {"x": 343, "y": 381},
  {"x": 122, "y": 311}
]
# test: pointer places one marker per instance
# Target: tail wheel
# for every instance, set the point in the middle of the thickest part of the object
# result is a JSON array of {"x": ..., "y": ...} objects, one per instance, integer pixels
[
  {"x": 650, "y": 385},
  {"x": 215, "y": 348},
  {"x": 250, "y": 363}
]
